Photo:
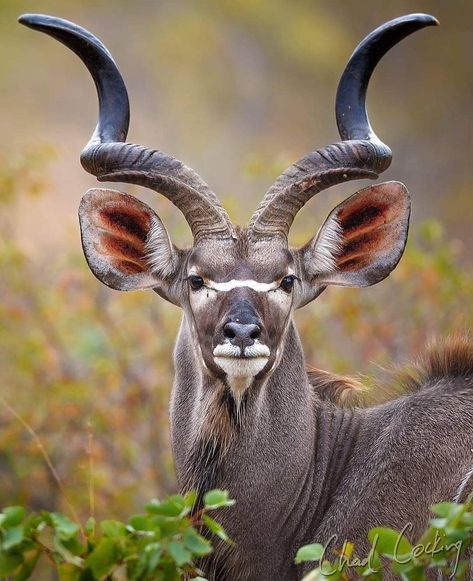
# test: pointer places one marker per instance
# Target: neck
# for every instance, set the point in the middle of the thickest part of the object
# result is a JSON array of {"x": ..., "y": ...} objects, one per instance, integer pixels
[
  {"x": 206, "y": 416},
  {"x": 275, "y": 451}
]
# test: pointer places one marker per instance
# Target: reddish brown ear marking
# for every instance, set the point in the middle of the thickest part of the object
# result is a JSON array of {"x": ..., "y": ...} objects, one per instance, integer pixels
[
  {"x": 122, "y": 234},
  {"x": 121, "y": 247},
  {"x": 355, "y": 220},
  {"x": 371, "y": 208},
  {"x": 115, "y": 228},
  {"x": 116, "y": 218},
  {"x": 127, "y": 267},
  {"x": 369, "y": 233},
  {"x": 370, "y": 225},
  {"x": 357, "y": 250}
]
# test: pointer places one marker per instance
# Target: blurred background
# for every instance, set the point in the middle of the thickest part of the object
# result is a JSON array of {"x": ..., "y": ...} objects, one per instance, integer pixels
[{"x": 238, "y": 90}]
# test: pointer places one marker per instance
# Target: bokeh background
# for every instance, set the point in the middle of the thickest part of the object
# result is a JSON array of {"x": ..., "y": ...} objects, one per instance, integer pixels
[{"x": 238, "y": 90}]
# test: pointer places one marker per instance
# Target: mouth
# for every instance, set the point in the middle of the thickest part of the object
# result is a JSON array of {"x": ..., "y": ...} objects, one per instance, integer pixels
[
  {"x": 255, "y": 351},
  {"x": 236, "y": 362}
]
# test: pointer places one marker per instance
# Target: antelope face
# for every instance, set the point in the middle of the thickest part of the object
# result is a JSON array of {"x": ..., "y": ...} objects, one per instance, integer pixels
[
  {"x": 240, "y": 297},
  {"x": 238, "y": 293}
]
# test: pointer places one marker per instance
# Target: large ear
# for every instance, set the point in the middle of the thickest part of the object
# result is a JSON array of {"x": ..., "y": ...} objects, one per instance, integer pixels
[
  {"x": 125, "y": 243},
  {"x": 363, "y": 238}
]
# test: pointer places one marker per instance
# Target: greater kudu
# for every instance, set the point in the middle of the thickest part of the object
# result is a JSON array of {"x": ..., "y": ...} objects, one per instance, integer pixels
[{"x": 244, "y": 415}]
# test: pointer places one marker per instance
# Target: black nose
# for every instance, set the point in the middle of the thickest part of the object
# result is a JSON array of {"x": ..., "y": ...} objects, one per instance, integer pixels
[{"x": 241, "y": 335}]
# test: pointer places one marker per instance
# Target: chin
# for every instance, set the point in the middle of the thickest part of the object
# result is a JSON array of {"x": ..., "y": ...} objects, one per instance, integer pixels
[{"x": 241, "y": 367}]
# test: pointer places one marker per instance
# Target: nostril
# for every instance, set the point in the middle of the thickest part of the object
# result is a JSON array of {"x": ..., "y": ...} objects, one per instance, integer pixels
[
  {"x": 238, "y": 332},
  {"x": 255, "y": 333},
  {"x": 228, "y": 331}
]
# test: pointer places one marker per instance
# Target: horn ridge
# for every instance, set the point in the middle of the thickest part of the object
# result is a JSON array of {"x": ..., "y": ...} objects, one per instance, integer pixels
[
  {"x": 361, "y": 154},
  {"x": 135, "y": 164},
  {"x": 107, "y": 156}
]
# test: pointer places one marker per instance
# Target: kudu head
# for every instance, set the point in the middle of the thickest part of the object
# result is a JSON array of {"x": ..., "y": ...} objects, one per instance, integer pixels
[{"x": 239, "y": 286}]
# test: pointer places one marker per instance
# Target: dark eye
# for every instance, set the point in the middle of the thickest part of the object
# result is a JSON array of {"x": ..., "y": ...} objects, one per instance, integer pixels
[
  {"x": 196, "y": 282},
  {"x": 288, "y": 282}
]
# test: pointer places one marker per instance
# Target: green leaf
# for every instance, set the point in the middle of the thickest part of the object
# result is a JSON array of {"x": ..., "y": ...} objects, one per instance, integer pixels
[
  {"x": 389, "y": 542},
  {"x": 136, "y": 570},
  {"x": 407, "y": 569},
  {"x": 28, "y": 567},
  {"x": 196, "y": 543},
  {"x": 154, "y": 552},
  {"x": 430, "y": 536},
  {"x": 190, "y": 499},
  {"x": 313, "y": 552},
  {"x": 140, "y": 522},
  {"x": 179, "y": 553},
  {"x": 215, "y": 528},
  {"x": 173, "y": 506},
  {"x": 217, "y": 499},
  {"x": 416, "y": 573},
  {"x": 13, "y": 537},
  {"x": 113, "y": 528},
  {"x": 67, "y": 572},
  {"x": 65, "y": 553},
  {"x": 438, "y": 523},
  {"x": 90, "y": 526},
  {"x": 13, "y": 516},
  {"x": 65, "y": 528},
  {"x": 467, "y": 519},
  {"x": 462, "y": 569},
  {"x": 443, "y": 509},
  {"x": 103, "y": 558},
  {"x": 9, "y": 563}
]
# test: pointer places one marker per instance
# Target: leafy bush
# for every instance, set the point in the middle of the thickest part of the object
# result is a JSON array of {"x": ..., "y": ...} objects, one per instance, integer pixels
[
  {"x": 161, "y": 544},
  {"x": 441, "y": 547},
  {"x": 164, "y": 544}
]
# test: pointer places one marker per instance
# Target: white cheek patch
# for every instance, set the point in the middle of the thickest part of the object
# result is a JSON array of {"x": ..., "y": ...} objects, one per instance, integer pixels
[
  {"x": 280, "y": 298},
  {"x": 200, "y": 299}
]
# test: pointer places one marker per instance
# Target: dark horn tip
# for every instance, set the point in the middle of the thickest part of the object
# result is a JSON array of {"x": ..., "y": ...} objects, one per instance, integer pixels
[
  {"x": 35, "y": 20},
  {"x": 425, "y": 19},
  {"x": 350, "y": 102},
  {"x": 26, "y": 19}
]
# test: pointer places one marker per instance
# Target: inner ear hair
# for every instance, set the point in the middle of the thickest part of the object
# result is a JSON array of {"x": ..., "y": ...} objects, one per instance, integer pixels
[
  {"x": 160, "y": 253},
  {"x": 329, "y": 242}
]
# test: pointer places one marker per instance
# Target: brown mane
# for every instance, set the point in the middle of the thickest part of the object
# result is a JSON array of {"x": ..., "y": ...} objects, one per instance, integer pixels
[{"x": 448, "y": 358}]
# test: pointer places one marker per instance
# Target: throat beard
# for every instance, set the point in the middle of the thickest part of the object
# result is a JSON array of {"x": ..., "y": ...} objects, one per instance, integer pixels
[{"x": 220, "y": 426}]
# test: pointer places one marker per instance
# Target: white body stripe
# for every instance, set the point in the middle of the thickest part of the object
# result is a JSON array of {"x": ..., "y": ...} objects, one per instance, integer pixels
[{"x": 462, "y": 487}]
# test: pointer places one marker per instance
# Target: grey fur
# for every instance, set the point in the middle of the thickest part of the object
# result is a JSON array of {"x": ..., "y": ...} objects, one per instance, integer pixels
[{"x": 302, "y": 469}]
